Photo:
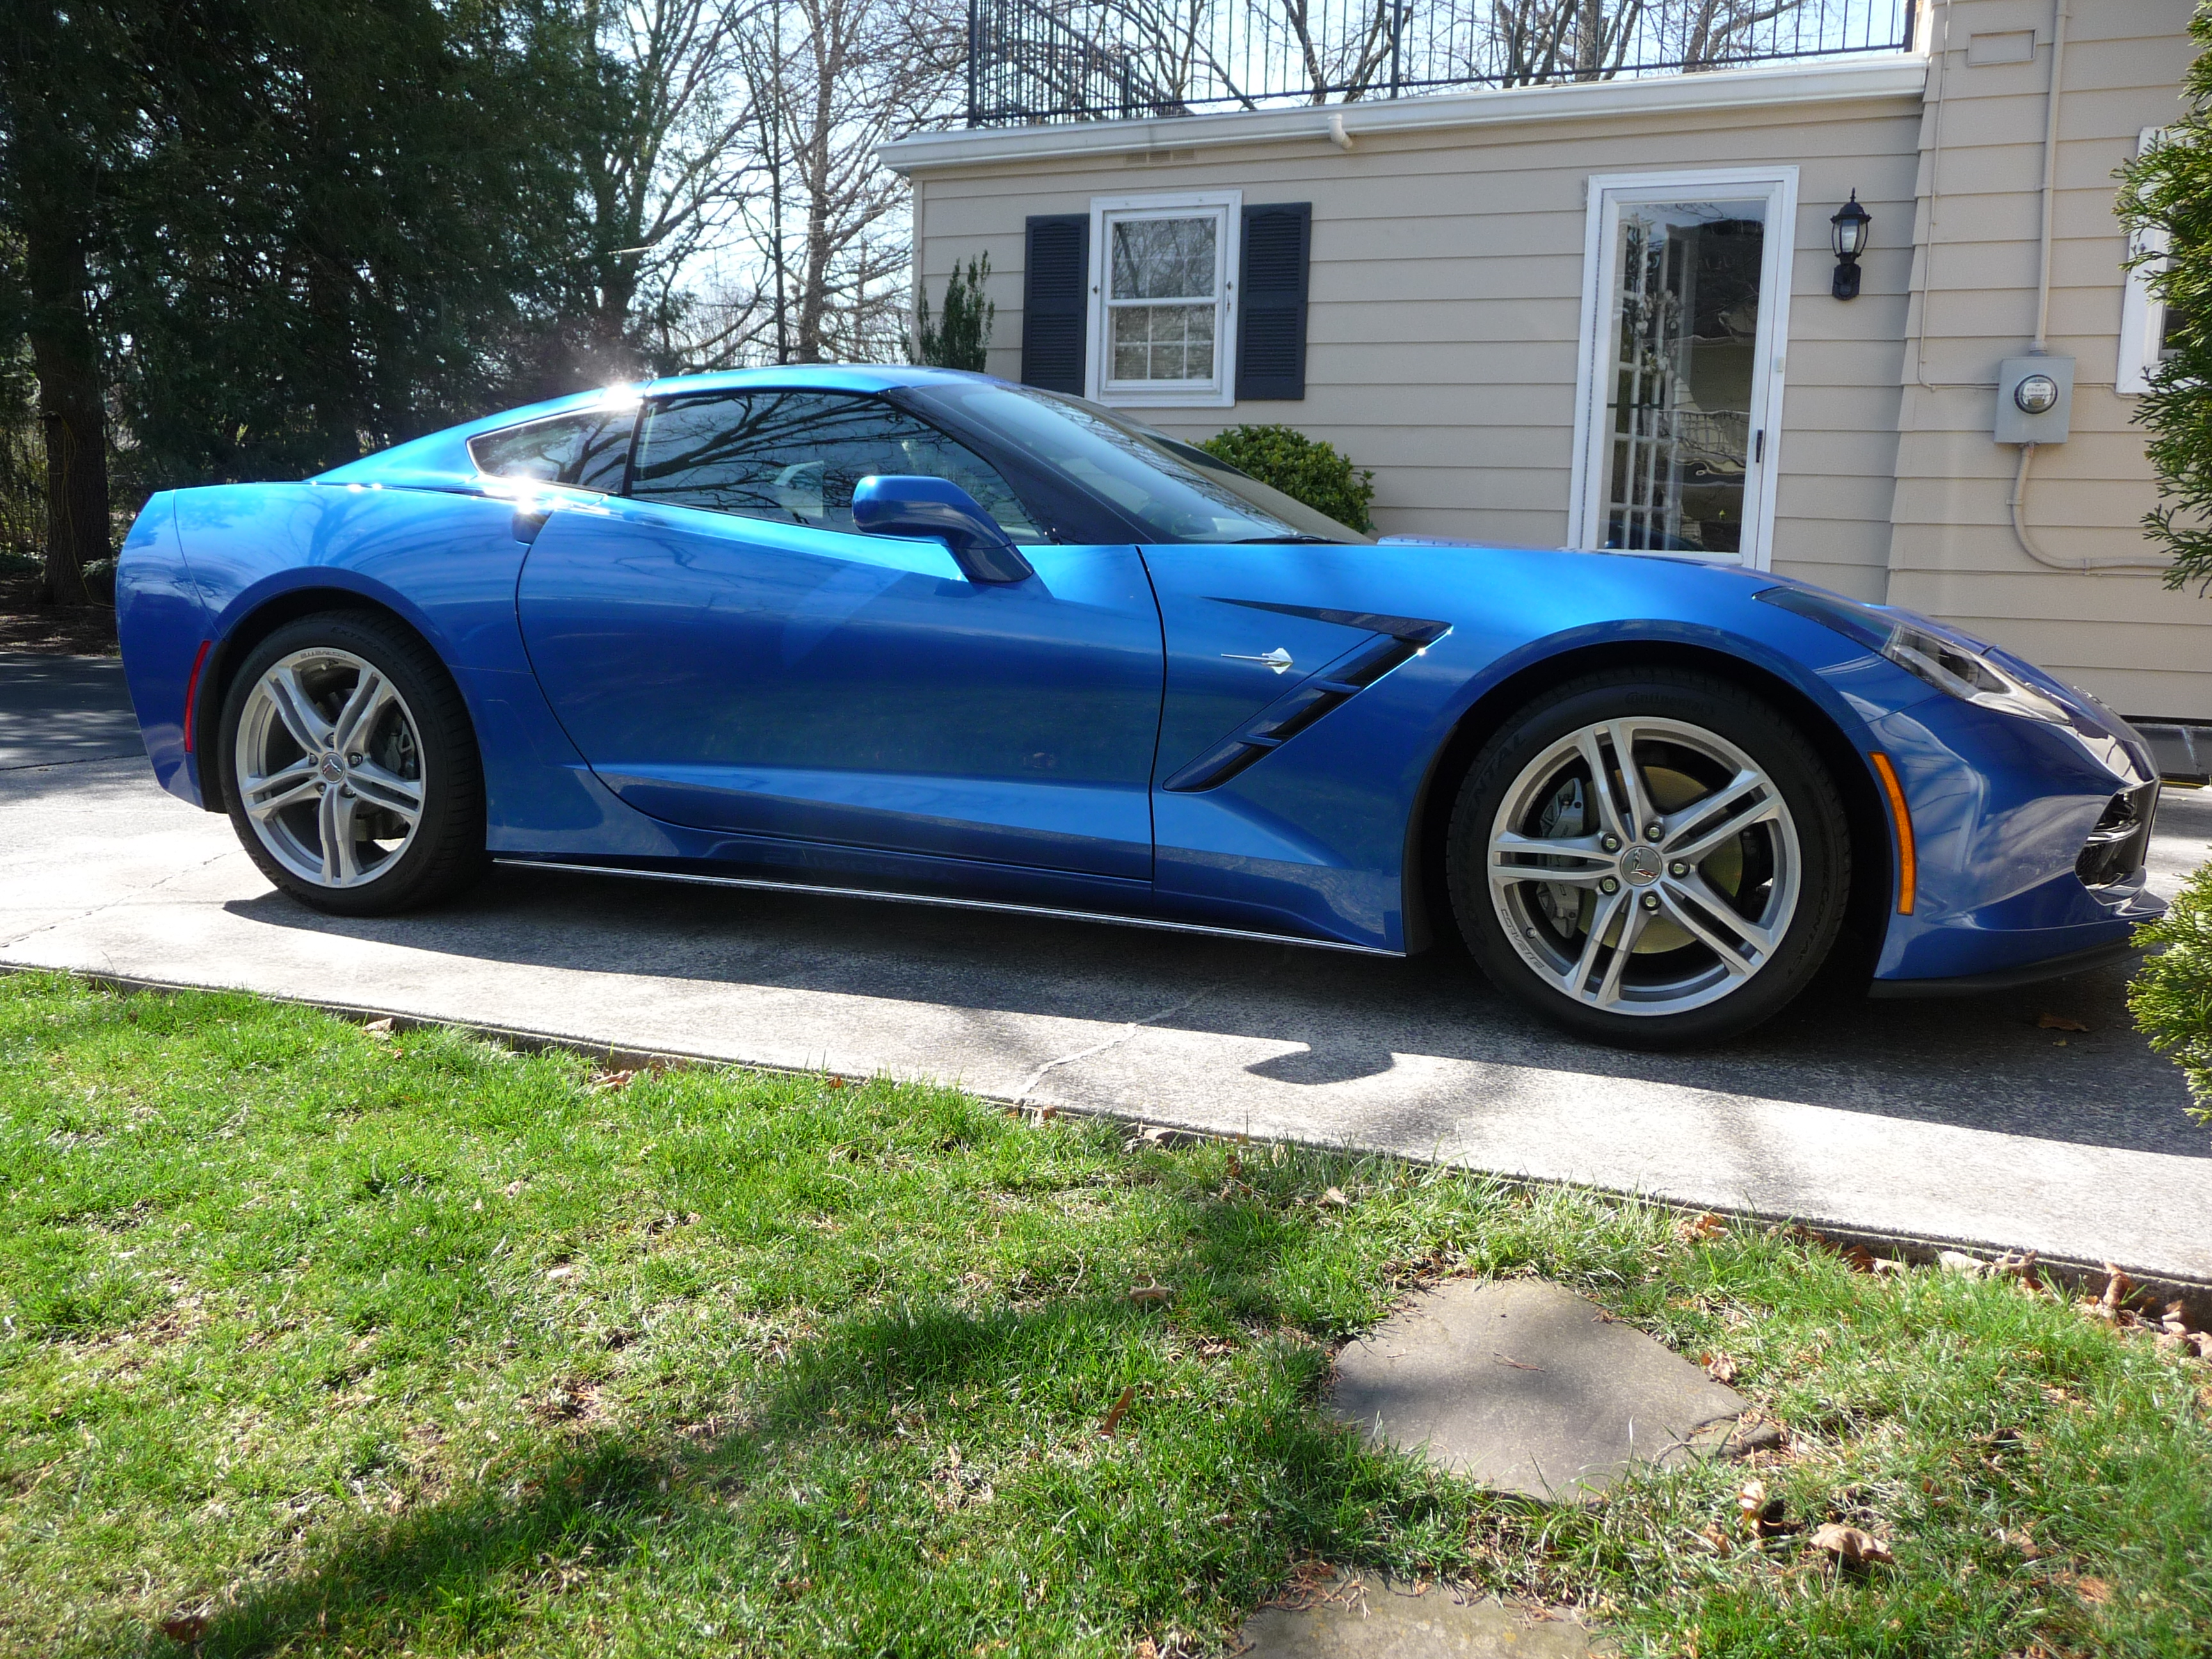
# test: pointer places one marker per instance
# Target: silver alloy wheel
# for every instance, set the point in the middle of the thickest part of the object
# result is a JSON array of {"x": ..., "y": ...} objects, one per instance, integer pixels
[
  {"x": 329, "y": 766},
  {"x": 1644, "y": 866}
]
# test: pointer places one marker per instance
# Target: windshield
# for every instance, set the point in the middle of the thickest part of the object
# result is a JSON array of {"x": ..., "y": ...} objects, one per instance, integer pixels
[{"x": 1177, "y": 492}]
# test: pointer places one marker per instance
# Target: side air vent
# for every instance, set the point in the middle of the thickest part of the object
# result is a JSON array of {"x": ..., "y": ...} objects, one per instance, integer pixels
[
  {"x": 2117, "y": 847},
  {"x": 1284, "y": 719}
]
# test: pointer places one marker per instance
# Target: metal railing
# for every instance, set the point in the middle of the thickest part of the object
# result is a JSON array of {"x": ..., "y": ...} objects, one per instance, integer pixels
[{"x": 1032, "y": 61}]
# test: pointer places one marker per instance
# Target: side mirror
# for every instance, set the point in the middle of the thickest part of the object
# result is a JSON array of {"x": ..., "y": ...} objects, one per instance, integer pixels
[{"x": 901, "y": 505}]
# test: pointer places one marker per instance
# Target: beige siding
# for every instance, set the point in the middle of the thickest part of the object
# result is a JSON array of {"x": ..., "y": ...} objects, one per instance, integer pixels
[
  {"x": 1446, "y": 299},
  {"x": 1446, "y": 288},
  {"x": 1954, "y": 552}
]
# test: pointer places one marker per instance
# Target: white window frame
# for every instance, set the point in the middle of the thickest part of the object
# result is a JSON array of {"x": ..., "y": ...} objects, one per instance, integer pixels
[
  {"x": 2142, "y": 313},
  {"x": 1608, "y": 192},
  {"x": 1219, "y": 392}
]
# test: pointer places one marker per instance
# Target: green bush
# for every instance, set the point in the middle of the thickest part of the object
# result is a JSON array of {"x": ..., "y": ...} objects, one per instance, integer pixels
[
  {"x": 962, "y": 340},
  {"x": 2169, "y": 188},
  {"x": 2171, "y": 996},
  {"x": 1304, "y": 469}
]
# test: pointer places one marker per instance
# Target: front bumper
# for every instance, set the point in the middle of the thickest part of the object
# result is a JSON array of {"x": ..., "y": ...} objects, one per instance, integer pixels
[{"x": 2021, "y": 875}]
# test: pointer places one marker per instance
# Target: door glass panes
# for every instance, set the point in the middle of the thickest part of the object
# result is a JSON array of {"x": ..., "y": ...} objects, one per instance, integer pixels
[
  {"x": 1163, "y": 298},
  {"x": 795, "y": 457},
  {"x": 1683, "y": 343},
  {"x": 588, "y": 451}
]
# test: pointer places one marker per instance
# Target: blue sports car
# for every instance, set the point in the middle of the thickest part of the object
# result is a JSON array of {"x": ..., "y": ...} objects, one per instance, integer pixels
[{"x": 919, "y": 634}]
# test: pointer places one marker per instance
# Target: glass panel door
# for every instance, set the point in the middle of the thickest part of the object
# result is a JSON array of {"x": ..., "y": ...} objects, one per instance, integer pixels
[{"x": 1683, "y": 372}]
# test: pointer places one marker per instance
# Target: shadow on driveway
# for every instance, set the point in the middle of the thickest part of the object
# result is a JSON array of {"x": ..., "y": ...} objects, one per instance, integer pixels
[{"x": 1978, "y": 1062}]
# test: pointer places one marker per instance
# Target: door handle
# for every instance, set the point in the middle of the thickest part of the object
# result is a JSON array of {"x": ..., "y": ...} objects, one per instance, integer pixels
[{"x": 1758, "y": 448}]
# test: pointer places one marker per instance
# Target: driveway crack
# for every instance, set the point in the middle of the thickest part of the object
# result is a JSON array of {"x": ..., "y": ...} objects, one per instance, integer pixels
[
  {"x": 1117, "y": 1040},
  {"x": 134, "y": 895}
]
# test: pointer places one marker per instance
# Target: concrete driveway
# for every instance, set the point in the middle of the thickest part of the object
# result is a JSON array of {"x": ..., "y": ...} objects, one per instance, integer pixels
[{"x": 1956, "y": 1120}]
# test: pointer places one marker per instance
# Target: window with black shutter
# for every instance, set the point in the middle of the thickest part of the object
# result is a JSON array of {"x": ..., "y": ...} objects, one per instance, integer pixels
[
  {"x": 1271, "y": 336},
  {"x": 1056, "y": 301}
]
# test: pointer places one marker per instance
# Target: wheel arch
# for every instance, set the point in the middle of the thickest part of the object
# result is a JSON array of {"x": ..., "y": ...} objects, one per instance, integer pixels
[
  {"x": 1427, "y": 906},
  {"x": 240, "y": 642}
]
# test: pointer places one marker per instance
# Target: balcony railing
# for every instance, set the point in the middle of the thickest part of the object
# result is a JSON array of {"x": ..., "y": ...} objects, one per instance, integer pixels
[{"x": 1102, "y": 60}]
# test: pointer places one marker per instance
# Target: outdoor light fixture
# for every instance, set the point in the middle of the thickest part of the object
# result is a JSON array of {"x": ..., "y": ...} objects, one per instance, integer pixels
[{"x": 1848, "y": 233}]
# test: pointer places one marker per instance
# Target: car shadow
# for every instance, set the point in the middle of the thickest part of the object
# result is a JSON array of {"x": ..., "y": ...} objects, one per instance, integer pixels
[{"x": 1979, "y": 1062}]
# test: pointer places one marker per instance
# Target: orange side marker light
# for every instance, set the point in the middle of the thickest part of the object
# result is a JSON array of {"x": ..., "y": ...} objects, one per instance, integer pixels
[{"x": 1908, "y": 863}]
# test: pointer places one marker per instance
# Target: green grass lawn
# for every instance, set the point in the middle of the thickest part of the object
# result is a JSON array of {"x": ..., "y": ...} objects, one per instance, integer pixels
[{"x": 368, "y": 1345}]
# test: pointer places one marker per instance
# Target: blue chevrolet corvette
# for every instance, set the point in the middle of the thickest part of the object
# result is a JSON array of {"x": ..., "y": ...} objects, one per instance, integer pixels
[{"x": 911, "y": 633}]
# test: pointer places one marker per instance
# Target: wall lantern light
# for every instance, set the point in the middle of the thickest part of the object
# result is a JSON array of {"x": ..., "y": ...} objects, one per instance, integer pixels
[{"x": 1848, "y": 231}]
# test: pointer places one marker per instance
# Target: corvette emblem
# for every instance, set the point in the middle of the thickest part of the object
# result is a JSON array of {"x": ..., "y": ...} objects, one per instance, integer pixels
[{"x": 1278, "y": 660}]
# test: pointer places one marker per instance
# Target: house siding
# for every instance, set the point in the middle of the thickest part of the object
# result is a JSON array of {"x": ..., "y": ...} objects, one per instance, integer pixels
[
  {"x": 1445, "y": 295},
  {"x": 1445, "y": 303},
  {"x": 2140, "y": 647}
]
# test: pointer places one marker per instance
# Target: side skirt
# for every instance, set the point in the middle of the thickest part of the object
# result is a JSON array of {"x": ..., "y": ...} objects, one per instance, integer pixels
[{"x": 1049, "y": 912}]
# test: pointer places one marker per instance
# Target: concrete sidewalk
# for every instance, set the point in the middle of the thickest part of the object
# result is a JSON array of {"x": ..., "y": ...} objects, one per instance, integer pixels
[{"x": 1956, "y": 1121}]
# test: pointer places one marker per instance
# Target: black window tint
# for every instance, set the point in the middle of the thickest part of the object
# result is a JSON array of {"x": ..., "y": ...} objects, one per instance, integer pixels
[
  {"x": 589, "y": 451},
  {"x": 795, "y": 456}
]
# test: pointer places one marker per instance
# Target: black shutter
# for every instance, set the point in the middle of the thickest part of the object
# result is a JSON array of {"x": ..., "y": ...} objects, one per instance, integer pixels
[
  {"x": 1056, "y": 301},
  {"x": 1271, "y": 328}
]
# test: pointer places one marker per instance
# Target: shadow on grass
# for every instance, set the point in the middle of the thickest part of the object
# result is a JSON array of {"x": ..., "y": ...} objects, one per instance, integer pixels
[{"x": 839, "y": 1477}]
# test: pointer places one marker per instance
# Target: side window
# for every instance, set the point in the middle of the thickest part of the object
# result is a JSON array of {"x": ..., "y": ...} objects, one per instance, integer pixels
[
  {"x": 589, "y": 451},
  {"x": 795, "y": 456}
]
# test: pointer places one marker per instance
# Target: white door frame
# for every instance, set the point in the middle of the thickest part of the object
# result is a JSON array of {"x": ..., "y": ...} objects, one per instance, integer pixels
[{"x": 1607, "y": 191}]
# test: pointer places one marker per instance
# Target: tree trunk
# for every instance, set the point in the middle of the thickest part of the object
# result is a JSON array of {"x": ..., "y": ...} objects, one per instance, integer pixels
[{"x": 70, "y": 407}]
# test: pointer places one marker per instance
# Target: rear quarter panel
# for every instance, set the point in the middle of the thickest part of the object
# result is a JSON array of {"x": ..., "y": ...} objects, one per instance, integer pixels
[{"x": 446, "y": 564}]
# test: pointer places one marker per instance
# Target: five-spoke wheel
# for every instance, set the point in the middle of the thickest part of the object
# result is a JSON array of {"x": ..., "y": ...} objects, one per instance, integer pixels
[
  {"x": 329, "y": 763},
  {"x": 353, "y": 779},
  {"x": 1649, "y": 858}
]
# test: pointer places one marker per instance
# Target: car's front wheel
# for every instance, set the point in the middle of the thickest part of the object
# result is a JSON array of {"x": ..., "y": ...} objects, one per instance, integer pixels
[
  {"x": 1649, "y": 858},
  {"x": 353, "y": 777}
]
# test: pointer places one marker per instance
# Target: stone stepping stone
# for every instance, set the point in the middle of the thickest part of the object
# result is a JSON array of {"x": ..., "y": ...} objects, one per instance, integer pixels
[
  {"x": 1525, "y": 1387},
  {"x": 1359, "y": 1615}
]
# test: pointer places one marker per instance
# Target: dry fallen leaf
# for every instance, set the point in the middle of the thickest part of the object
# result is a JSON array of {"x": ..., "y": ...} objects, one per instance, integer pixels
[
  {"x": 1857, "y": 1258},
  {"x": 1850, "y": 1546},
  {"x": 192, "y": 1626},
  {"x": 2047, "y": 1022},
  {"x": 833, "y": 1083},
  {"x": 1121, "y": 1410},
  {"x": 514, "y": 1186},
  {"x": 1151, "y": 1295},
  {"x": 2094, "y": 1592},
  {"x": 1146, "y": 1649},
  {"x": 1335, "y": 1195},
  {"x": 374, "y": 1028},
  {"x": 1763, "y": 1517},
  {"x": 2117, "y": 1286},
  {"x": 608, "y": 1083},
  {"x": 1719, "y": 1367},
  {"x": 1693, "y": 1228}
]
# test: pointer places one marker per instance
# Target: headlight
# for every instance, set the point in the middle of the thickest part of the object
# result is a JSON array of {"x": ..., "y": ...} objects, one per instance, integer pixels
[{"x": 1949, "y": 666}]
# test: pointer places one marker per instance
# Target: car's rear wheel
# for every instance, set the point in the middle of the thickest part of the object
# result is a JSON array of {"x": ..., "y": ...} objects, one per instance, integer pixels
[
  {"x": 353, "y": 777},
  {"x": 1649, "y": 858}
]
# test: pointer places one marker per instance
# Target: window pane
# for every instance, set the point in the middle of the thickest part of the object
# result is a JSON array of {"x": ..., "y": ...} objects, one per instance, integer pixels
[
  {"x": 796, "y": 456},
  {"x": 1685, "y": 331},
  {"x": 1164, "y": 258},
  {"x": 588, "y": 451},
  {"x": 1163, "y": 343}
]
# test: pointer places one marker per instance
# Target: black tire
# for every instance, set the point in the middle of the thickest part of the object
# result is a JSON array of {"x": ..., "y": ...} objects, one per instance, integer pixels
[
  {"x": 421, "y": 741},
  {"x": 1532, "y": 934}
]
